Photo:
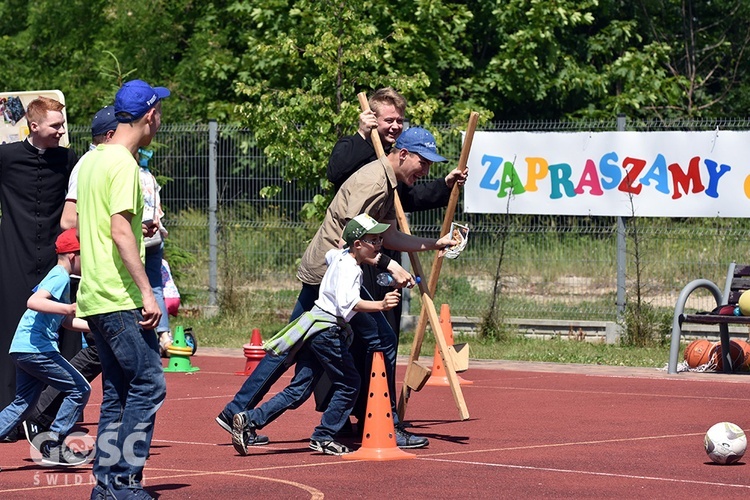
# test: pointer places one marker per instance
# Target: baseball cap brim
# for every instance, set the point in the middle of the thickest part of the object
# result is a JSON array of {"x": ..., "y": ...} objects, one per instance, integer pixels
[
  {"x": 162, "y": 92},
  {"x": 429, "y": 155},
  {"x": 378, "y": 228}
]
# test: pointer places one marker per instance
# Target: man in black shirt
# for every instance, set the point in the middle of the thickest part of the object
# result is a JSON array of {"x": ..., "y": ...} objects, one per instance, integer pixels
[
  {"x": 386, "y": 114},
  {"x": 33, "y": 178}
]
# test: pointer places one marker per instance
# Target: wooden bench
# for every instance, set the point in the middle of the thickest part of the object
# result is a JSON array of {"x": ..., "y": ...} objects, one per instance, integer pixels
[{"x": 738, "y": 280}]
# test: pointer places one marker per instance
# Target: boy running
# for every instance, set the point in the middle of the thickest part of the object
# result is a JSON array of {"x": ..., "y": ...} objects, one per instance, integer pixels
[{"x": 321, "y": 338}]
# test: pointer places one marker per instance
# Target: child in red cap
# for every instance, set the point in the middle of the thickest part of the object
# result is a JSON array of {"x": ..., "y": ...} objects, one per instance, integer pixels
[{"x": 38, "y": 360}]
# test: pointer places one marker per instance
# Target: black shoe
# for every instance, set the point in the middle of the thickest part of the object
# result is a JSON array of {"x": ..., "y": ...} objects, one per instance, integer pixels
[
  {"x": 57, "y": 453},
  {"x": 329, "y": 447},
  {"x": 14, "y": 435},
  {"x": 224, "y": 422},
  {"x": 32, "y": 431},
  {"x": 407, "y": 440},
  {"x": 128, "y": 493},
  {"x": 244, "y": 436}
]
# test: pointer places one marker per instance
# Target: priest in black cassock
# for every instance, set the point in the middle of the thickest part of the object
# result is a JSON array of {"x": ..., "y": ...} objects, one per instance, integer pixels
[{"x": 33, "y": 179}]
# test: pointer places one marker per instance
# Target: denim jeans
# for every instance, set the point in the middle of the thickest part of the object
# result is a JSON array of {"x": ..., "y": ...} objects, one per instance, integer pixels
[
  {"x": 373, "y": 333},
  {"x": 325, "y": 352},
  {"x": 153, "y": 271},
  {"x": 270, "y": 368},
  {"x": 133, "y": 390},
  {"x": 86, "y": 361},
  {"x": 34, "y": 372}
]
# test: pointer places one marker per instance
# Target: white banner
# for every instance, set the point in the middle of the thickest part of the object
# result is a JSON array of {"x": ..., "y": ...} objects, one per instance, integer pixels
[{"x": 651, "y": 174}]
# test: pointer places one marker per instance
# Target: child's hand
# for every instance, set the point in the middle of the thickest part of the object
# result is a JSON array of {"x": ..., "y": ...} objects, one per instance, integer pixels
[
  {"x": 391, "y": 300},
  {"x": 71, "y": 310},
  {"x": 149, "y": 228},
  {"x": 401, "y": 277}
]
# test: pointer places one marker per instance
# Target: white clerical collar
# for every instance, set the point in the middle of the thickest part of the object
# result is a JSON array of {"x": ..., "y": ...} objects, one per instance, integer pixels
[{"x": 40, "y": 150}]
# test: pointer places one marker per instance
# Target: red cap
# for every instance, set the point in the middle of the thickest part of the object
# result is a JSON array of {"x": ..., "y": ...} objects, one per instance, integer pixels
[{"x": 67, "y": 242}]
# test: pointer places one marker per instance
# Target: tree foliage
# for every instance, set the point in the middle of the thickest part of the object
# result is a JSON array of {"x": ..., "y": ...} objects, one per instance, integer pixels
[{"x": 291, "y": 69}]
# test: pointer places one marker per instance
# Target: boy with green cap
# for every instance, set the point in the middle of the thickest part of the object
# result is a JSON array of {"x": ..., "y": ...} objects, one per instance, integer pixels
[{"x": 319, "y": 340}]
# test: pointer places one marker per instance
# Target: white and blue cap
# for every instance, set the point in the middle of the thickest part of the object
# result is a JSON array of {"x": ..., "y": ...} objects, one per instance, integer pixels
[
  {"x": 135, "y": 98},
  {"x": 420, "y": 141}
]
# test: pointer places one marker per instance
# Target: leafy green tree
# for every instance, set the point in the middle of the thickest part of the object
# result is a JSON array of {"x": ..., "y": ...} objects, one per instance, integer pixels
[
  {"x": 304, "y": 68},
  {"x": 709, "y": 53}
]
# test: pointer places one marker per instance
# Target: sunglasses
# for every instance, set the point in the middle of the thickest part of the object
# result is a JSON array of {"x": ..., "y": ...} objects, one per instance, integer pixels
[{"x": 374, "y": 241}]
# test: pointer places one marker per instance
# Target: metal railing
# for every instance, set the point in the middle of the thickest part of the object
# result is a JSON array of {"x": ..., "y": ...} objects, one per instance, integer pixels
[{"x": 560, "y": 267}]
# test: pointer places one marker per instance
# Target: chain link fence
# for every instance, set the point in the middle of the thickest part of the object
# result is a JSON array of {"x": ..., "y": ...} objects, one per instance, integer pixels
[{"x": 553, "y": 267}]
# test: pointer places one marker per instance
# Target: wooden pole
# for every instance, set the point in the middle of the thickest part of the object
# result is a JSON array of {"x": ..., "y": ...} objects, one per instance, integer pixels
[
  {"x": 417, "y": 267},
  {"x": 437, "y": 264}
]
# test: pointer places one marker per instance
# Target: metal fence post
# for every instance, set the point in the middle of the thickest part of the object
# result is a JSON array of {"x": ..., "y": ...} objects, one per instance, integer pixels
[
  {"x": 622, "y": 257},
  {"x": 212, "y": 206}
]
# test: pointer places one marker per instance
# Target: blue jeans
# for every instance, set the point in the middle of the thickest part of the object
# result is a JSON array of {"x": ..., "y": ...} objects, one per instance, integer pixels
[
  {"x": 373, "y": 333},
  {"x": 34, "y": 372},
  {"x": 325, "y": 352},
  {"x": 133, "y": 390},
  {"x": 270, "y": 368},
  {"x": 153, "y": 271}
]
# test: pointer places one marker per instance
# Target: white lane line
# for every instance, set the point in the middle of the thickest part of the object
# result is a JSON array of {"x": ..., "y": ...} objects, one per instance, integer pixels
[{"x": 591, "y": 473}]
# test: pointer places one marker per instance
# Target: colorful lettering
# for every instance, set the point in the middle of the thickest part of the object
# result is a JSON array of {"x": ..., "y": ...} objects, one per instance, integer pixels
[
  {"x": 681, "y": 179},
  {"x": 560, "y": 177},
  {"x": 590, "y": 178}
]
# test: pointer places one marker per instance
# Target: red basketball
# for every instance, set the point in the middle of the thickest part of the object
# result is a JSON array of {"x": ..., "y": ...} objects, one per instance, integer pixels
[
  {"x": 697, "y": 352},
  {"x": 736, "y": 356}
]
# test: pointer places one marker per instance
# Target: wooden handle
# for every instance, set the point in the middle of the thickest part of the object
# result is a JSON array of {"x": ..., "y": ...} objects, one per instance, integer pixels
[{"x": 364, "y": 104}]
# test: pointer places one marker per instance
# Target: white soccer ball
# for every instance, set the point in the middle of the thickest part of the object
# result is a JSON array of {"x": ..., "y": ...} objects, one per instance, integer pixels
[{"x": 725, "y": 443}]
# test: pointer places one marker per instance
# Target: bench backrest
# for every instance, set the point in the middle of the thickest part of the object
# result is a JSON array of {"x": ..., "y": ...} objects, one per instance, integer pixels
[{"x": 737, "y": 283}]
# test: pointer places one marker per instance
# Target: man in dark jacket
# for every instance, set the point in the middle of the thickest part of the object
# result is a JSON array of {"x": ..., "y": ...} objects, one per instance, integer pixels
[{"x": 33, "y": 178}]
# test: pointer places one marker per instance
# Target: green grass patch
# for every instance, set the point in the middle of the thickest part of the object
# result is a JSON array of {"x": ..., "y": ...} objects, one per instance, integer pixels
[
  {"x": 555, "y": 350},
  {"x": 234, "y": 330}
]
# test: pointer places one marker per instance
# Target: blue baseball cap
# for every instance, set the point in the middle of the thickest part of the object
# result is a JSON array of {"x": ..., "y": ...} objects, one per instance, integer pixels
[
  {"x": 135, "y": 98},
  {"x": 420, "y": 141},
  {"x": 104, "y": 121}
]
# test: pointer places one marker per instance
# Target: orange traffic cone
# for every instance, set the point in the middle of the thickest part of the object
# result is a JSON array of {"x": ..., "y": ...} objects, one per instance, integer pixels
[
  {"x": 253, "y": 353},
  {"x": 438, "y": 377},
  {"x": 379, "y": 437}
]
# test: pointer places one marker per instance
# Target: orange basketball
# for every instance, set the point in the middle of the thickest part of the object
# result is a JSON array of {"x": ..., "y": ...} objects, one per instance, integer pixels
[
  {"x": 746, "y": 349},
  {"x": 697, "y": 352},
  {"x": 736, "y": 356}
]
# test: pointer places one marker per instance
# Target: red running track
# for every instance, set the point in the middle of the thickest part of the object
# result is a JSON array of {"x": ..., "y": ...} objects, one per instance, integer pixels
[{"x": 536, "y": 430}]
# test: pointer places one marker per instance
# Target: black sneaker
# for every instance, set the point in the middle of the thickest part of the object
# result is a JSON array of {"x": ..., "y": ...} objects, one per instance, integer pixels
[
  {"x": 329, "y": 447},
  {"x": 32, "y": 431},
  {"x": 128, "y": 493},
  {"x": 407, "y": 440},
  {"x": 224, "y": 422},
  {"x": 14, "y": 435},
  {"x": 244, "y": 436},
  {"x": 56, "y": 453}
]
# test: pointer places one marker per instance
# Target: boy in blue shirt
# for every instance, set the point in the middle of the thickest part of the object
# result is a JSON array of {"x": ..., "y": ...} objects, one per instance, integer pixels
[
  {"x": 321, "y": 339},
  {"x": 38, "y": 361}
]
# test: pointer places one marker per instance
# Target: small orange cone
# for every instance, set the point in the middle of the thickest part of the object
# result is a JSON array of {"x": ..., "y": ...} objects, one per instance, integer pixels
[
  {"x": 379, "y": 437},
  {"x": 253, "y": 353},
  {"x": 438, "y": 376}
]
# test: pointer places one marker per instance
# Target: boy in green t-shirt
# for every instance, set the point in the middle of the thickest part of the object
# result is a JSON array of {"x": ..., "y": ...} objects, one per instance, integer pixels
[{"x": 115, "y": 296}]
